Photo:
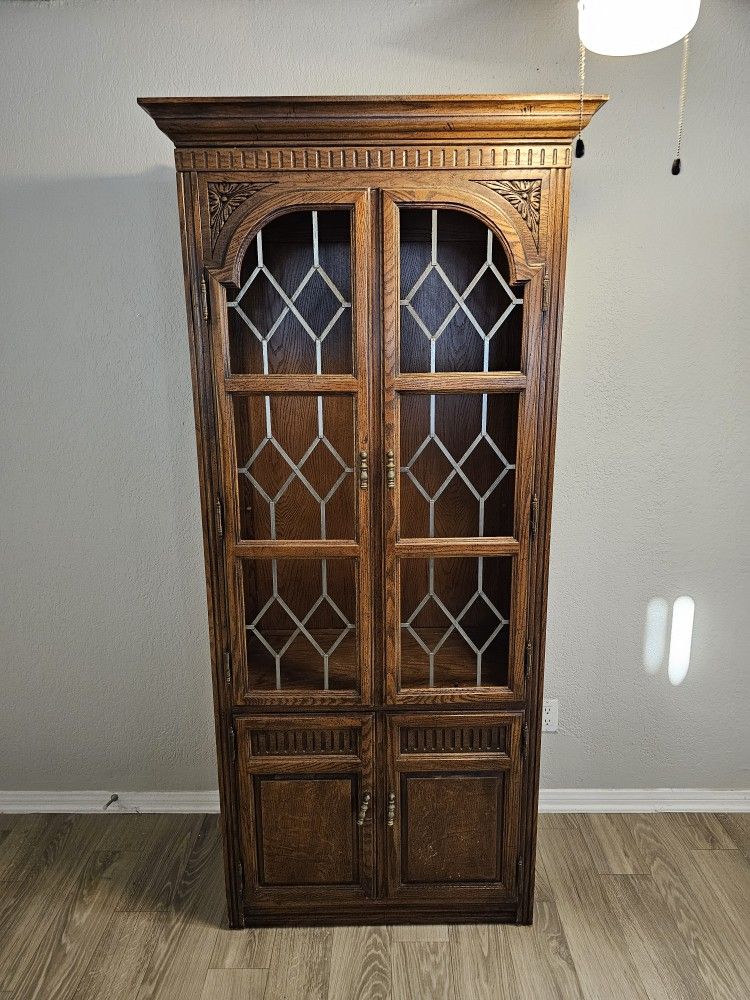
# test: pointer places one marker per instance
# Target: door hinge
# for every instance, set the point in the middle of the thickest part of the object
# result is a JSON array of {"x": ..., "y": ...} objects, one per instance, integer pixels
[
  {"x": 527, "y": 660},
  {"x": 240, "y": 871},
  {"x": 204, "y": 298},
  {"x": 545, "y": 292},
  {"x": 534, "y": 515},
  {"x": 232, "y": 744},
  {"x": 519, "y": 869},
  {"x": 524, "y": 741},
  {"x": 228, "y": 667},
  {"x": 219, "y": 515}
]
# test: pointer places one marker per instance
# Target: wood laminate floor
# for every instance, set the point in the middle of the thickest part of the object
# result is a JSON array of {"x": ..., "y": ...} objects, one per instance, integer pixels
[{"x": 648, "y": 907}]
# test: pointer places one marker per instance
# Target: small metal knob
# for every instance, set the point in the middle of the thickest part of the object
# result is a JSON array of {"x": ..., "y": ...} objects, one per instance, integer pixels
[
  {"x": 391, "y": 809},
  {"x": 390, "y": 470},
  {"x": 363, "y": 471},
  {"x": 363, "y": 809}
]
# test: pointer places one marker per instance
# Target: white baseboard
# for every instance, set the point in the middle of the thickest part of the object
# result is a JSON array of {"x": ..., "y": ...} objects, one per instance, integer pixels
[
  {"x": 551, "y": 800},
  {"x": 641, "y": 800},
  {"x": 93, "y": 802}
]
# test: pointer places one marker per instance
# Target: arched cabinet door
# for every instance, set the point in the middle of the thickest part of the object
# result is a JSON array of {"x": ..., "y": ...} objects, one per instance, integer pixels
[
  {"x": 290, "y": 339},
  {"x": 462, "y": 320}
]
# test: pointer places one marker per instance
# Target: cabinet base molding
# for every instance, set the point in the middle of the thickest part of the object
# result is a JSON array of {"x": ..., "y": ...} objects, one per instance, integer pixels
[{"x": 378, "y": 912}]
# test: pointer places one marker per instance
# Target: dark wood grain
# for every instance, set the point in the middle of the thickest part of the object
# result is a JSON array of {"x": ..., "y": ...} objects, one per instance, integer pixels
[{"x": 257, "y": 178}]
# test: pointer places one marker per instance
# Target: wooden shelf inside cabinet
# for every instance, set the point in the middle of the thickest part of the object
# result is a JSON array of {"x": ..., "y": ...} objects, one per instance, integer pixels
[{"x": 374, "y": 348}]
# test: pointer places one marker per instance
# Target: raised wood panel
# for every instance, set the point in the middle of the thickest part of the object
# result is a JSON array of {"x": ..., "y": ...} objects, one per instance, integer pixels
[
  {"x": 451, "y": 828},
  {"x": 320, "y": 808},
  {"x": 455, "y": 812},
  {"x": 302, "y": 782}
]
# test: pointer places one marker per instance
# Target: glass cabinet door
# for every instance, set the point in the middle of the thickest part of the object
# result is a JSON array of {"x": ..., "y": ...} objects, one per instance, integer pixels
[
  {"x": 458, "y": 339},
  {"x": 292, "y": 342}
]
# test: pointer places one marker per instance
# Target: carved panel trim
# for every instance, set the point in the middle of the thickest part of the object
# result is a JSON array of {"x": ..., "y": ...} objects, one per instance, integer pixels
[
  {"x": 440, "y": 157},
  {"x": 303, "y": 742},
  {"x": 226, "y": 198},
  {"x": 453, "y": 739},
  {"x": 525, "y": 196}
]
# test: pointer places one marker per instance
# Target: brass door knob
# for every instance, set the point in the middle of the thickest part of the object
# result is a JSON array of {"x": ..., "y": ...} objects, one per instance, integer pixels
[
  {"x": 391, "y": 809},
  {"x": 363, "y": 809}
]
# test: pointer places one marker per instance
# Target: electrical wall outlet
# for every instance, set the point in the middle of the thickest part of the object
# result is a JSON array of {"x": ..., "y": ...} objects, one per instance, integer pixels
[{"x": 549, "y": 715}]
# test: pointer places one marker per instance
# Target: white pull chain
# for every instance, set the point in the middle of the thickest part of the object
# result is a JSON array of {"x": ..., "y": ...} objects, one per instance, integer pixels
[
  {"x": 580, "y": 148},
  {"x": 677, "y": 162}
]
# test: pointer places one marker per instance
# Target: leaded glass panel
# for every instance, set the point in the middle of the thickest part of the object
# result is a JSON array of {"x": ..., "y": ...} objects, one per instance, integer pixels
[
  {"x": 459, "y": 311},
  {"x": 301, "y": 624},
  {"x": 295, "y": 466},
  {"x": 292, "y": 311},
  {"x": 458, "y": 456},
  {"x": 454, "y": 627}
]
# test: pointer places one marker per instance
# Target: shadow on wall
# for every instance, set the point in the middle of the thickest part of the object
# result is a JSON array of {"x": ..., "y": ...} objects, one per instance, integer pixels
[
  {"x": 103, "y": 599},
  {"x": 95, "y": 325}
]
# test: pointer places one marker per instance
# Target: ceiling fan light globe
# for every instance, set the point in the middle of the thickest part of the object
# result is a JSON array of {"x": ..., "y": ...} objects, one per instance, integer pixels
[{"x": 632, "y": 27}]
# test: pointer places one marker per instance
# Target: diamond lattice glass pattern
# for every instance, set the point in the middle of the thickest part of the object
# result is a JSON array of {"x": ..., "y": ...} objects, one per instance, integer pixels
[
  {"x": 292, "y": 312},
  {"x": 459, "y": 311},
  {"x": 454, "y": 621},
  {"x": 295, "y": 466},
  {"x": 300, "y": 623},
  {"x": 457, "y": 465}
]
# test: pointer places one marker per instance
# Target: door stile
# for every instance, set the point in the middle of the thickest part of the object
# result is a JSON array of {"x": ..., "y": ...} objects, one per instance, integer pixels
[
  {"x": 391, "y": 583},
  {"x": 525, "y": 525},
  {"x": 362, "y": 265},
  {"x": 522, "y": 384},
  {"x": 228, "y": 386}
]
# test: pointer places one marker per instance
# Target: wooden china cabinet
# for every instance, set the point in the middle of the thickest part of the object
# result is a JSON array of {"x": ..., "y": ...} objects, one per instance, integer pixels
[{"x": 374, "y": 291}]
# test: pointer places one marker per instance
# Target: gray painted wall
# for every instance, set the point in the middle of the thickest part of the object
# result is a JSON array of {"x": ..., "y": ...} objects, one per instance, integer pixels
[{"x": 104, "y": 673}]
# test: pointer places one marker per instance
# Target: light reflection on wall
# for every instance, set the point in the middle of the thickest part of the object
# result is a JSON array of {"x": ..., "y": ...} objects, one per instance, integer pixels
[
  {"x": 683, "y": 613},
  {"x": 655, "y": 634},
  {"x": 680, "y": 640}
]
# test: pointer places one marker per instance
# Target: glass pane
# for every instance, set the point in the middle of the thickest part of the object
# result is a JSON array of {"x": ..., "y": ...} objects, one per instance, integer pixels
[
  {"x": 455, "y": 621},
  {"x": 292, "y": 313},
  {"x": 300, "y": 620},
  {"x": 458, "y": 457},
  {"x": 295, "y": 459},
  {"x": 459, "y": 312}
]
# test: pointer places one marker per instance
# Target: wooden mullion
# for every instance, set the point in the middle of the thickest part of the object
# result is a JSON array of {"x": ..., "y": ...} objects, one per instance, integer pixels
[
  {"x": 462, "y": 382},
  {"x": 308, "y": 549},
  {"x": 490, "y": 546},
  {"x": 312, "y": 384}
]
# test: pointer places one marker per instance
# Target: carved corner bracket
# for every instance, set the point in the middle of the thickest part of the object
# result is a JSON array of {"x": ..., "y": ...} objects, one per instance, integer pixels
[
  {"x": 525, "y": 197},
  {"x": 224, "y": 198}
]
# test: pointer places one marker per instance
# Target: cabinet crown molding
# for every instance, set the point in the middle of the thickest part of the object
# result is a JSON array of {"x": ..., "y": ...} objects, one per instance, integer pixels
[{"x": 246, "y": 121}]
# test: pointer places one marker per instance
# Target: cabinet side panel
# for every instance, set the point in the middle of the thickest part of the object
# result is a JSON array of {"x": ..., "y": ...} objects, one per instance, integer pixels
[
  {"x": 209, "y": 479},
  {"x": 545, "y": 457}
]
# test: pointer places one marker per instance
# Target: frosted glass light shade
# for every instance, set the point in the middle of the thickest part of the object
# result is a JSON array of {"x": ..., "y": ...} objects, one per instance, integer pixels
[{"x": 631, "y": 27}]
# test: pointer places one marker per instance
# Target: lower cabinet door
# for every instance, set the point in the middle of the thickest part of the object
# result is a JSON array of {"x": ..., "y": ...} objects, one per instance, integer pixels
[
  {"x": 306, "y": 808},
  {"x": 453, "y": 802}
]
